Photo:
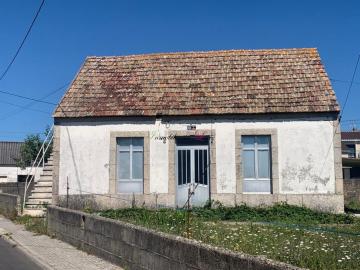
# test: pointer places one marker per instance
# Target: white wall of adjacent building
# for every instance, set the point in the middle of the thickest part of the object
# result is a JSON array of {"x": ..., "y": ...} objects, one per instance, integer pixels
[
  {"x": 10, "y": 173},
  {"x": 305, "y": 153}
]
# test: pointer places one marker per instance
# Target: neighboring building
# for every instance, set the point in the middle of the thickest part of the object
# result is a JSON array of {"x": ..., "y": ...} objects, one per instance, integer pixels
[
  {"x": 350, "y": 143},
  {"x": 9, "y": 171},
  {"x": 240, "y": 126}
]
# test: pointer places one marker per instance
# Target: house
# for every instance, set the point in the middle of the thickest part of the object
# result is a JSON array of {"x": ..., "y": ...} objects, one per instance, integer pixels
[
  {"x": 9, "y": 170},
  {"x": 350, "y": 143},
  {"x": 237, "y": 126}
]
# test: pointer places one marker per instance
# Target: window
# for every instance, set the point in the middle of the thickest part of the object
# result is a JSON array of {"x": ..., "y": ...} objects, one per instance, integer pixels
[
  {"x": 22, "y": 178},
  {"x": 130, "y": 165},
  {"x": 256, "y": 163}
]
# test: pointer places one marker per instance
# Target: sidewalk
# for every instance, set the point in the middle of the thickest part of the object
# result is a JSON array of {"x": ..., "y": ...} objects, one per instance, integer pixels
[{"x": 50, "y": 253}]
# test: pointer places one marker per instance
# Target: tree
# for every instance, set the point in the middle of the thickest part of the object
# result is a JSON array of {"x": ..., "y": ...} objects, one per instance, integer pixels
[{"x": 31, "y": 147}]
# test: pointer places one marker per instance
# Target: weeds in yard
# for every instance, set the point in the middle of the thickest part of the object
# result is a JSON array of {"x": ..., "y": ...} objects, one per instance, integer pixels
[
  {"x": 278, "y": 213},
  {"x": 37, "y": 225},
  {"x": 290, "y": 234}
]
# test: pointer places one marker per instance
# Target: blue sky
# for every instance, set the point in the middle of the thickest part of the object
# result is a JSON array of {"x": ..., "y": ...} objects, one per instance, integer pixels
[{"x": 67, "y": 31}]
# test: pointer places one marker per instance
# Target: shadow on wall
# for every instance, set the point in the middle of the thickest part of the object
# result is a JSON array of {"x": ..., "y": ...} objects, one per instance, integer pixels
[
  {"x": 74, "y": 161},
  {"x": 302, "y": 177}
]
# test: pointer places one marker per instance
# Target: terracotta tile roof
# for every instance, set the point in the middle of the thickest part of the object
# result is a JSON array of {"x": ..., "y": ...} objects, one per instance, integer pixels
[{"x": 195, "y": 83}]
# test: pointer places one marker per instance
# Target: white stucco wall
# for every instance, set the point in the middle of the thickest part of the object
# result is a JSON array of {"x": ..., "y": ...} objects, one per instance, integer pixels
[
  {"x": 305, "y": 153},
  {"x": 10, "y": 173}
]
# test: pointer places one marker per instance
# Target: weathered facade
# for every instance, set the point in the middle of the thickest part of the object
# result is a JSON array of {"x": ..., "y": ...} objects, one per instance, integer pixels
[{"x": 253, "y": 127}]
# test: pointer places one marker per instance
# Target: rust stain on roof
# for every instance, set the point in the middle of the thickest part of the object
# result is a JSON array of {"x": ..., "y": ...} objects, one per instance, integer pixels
[{"x": 187, "y": 83}]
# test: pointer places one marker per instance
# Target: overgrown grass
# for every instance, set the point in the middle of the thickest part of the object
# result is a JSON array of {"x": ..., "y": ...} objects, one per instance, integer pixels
[
  {"x": 278, "y": 213},
  {"x": 37, "y": 225},
  {"x": 291, "y": 234}
]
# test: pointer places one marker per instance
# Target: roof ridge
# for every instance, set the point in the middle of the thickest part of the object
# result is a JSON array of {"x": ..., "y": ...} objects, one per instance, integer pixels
[{"x": 203, "y": 52}]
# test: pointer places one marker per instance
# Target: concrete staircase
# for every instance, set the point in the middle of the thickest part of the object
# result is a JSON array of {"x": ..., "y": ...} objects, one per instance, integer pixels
[{"x": 41, "y": 195}]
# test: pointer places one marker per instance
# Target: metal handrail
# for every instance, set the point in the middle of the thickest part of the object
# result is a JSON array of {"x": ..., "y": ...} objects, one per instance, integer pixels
[{"x": 36, "y": 163}]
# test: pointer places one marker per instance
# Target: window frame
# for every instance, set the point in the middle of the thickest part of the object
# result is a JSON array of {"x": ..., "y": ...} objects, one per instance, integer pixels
[
  {"x": 273, "y": 152},
  {"x": 113, "y": 184},
  {"x": 130, "y": 149},
  {"x": 256, "y": 150}
]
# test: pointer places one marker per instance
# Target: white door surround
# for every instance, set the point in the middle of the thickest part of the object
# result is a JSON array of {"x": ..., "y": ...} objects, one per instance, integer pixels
[{"x": 192, "y": 172}]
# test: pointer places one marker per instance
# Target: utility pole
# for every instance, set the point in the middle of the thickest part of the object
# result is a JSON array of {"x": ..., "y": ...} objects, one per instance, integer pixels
[
  {"x": 67, "y": 191},
  {"x": 188, "y": 214}
]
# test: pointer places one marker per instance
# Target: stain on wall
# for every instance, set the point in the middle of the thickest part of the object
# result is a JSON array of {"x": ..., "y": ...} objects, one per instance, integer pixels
[{"x": 303, "y": 177}]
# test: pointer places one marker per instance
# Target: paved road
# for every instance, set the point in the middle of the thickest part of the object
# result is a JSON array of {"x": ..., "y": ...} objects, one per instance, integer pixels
[
  {"x": 11, "y": 258},
  {"x": 49, "y": 253}
]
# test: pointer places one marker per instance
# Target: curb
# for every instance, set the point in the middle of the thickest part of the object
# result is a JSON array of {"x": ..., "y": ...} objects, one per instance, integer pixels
[{"x": 31, "y": 255}]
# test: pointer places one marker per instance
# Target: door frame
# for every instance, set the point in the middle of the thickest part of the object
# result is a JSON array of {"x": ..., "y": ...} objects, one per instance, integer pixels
[
  {"x": 171, "y": 160},
  {"x": 192, "y": 149}
]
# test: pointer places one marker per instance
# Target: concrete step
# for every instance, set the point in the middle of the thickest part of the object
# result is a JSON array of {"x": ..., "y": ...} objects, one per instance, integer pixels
[
  {"x": 42, "y": 189},
  {"x": 32, "y": 201},
  {"x": 34, "y": 212},
  {"x": 43, "y": 184},
  {"x": 46, "y": 177},
  {"x": 40, "y": 195},
  {"x": 46, "y": 173},
  {"x": 47, "y": 169}
]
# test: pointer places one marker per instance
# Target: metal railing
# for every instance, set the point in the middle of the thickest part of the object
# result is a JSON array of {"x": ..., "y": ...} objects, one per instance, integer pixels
[{"x": 39, "y": 160}]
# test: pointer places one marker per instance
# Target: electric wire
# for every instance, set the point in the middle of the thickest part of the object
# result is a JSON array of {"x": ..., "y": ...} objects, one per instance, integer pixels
[
  {"x": 350, "y": 86},
  {"x": 23, "y": 41},
  {"x": 28, "y": 105},
  {"x": 23, "y": 107},
  {"x": 341, "y": 114},
  {"x": 27, "y": 98}
]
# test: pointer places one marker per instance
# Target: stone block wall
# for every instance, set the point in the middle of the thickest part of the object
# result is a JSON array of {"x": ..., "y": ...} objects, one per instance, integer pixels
[
  {"x": 134, "y": 247},
  {"x": 16, "y": 188},
  {"x": 9, "y": 204}
]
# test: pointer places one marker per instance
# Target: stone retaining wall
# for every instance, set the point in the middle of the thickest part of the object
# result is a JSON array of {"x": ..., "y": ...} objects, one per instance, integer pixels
[
  {"x": 9, "y": 204},
  {"x": 134, "y": 247}
]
